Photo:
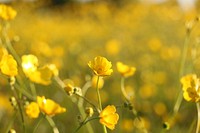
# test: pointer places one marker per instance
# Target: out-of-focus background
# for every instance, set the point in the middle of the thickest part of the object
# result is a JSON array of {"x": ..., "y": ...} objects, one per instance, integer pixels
[{"x": 146, "y": 34}]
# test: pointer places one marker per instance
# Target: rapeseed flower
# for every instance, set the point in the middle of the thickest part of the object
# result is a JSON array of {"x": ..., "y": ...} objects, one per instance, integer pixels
[
  {"x": 7, "y": 12},
  {"x": 125, "y": 70},
  {"x": 101, "y": 66},
  {"x": 191, "y": 87},
  {"x": 49, "y": 107},
  {"x": 8, "y": 65},
  {"x": 32, "y": 110},
  {"x": 109, "y": 117}
]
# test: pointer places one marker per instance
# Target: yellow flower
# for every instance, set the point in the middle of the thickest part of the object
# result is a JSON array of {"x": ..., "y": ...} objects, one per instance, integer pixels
[
  {"x": 191, "y": 88},
  {"x": 125, "y": 70},
  {"x": 32, "y": 110},
  {"x": 101, "y": 66},
  {"x": 9, "y": 65},
  {"x": 41, "y": 75},
  {"x": 109, "y": 117},
  {"x": 29, "y": 64},
  {"x": 7, "y": 12},
  {"x": 49, "y": 107}
]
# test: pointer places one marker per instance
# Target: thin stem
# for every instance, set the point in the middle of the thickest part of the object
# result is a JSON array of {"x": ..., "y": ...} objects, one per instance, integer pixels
[
  {"x": 19, "y": 106},
  {"x": 182, "y": 66},
  {"x": 52, "y": 124},
  {"x": 198, "y": 121},
  {"x": 98, "y": 94},
  {"x": 33, "y": 90},
  {"x": 123, "y": 89},
  {"x": 84, "y": 98},
  {"x": 85, "y": 122},
  {"x": 99, "y": 101},
  {"x": 11, "y": 122},
  {"x": 36, "y": 127}
]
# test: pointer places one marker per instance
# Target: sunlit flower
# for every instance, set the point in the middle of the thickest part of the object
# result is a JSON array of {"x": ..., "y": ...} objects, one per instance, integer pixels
[
  {"x": 7, "y": 12},
  {"x": 125, "y": 70},
  {"x": 32, "y": 110},
  {"x": 9, "y": 65},
  {"x": 191, "y": 88},
  {"x": 41, "y": 75},
  {"x": 109, "y": 117},
  {"x": 101, "y": 66},
  {"x": 49, "y": 107},
  {"x": 29, "y": 64}
]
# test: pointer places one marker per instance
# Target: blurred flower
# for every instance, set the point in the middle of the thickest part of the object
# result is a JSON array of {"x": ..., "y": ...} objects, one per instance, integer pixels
[
  {"x": 94, "y": 82},
  {"x": 127, "y": 125},
  {"x": 29, "y": 64},
  {"x": 191, "y": 88},
  {"x": 7, "y": 12},
  {"x": 112, "y": 47},
  {"x": 101, "y": 66},
  {"x": 69, "y": 89},
  {"x": 109, "y": 117},
  {"x": 89, "y": 111},
  {"x": 49, "y": 107},
  {"x": 41, "y": 75},
  {"x": 9, "y": 65},
  {"x": 160, "y": 108},
  {"x": 32, "y": 110},
  {"x": 125, "y": 70}
]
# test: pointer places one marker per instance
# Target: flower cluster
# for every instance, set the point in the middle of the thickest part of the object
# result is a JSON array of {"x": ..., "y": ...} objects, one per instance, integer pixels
[
  {"x": 7, "y": 12},
  {"x": 47, "y": 106},
  {"x": 41, "y": 75}
]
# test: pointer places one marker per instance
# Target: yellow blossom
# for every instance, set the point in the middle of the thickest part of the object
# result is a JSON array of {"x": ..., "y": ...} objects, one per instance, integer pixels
[
  {"x": 191, "y": 88},
  {"x": 109, "y": 117},
  {"x": 29, "y": 64},
  {"x": 7, "y": 12},
  {"x": 32, "y": 110},
  {"x": 101, "y": 66},
  {"x": 49, "y": 107},
  {"x": 9, "y": 65},
  {"x": 125, "y": 70}
]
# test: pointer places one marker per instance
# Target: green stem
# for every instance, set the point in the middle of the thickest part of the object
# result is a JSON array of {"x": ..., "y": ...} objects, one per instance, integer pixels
[
  {"x": 33, "y": 90},
  {"x": 181, "y": 72},
  {"x": 85, "y": 122},
  {"x": 198, "y": 118},
  {"x": 98, "y": 94},
  {"x": 36, "y": 127},
  {"x": 19, "y": 106},
  {"x": 84, "y": 98},
  {"x": 99, "y": 101},
  {"x": 52, "y": 124},
  {"x": 123, "y": 89},
  {"x": 11, "y": 122}
]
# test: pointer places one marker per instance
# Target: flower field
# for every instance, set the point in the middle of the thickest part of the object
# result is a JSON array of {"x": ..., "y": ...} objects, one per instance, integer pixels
[{"x": 99, "y": 66}]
